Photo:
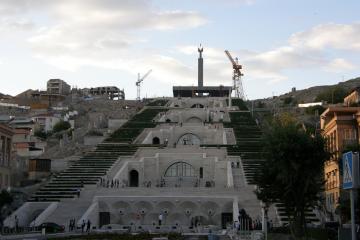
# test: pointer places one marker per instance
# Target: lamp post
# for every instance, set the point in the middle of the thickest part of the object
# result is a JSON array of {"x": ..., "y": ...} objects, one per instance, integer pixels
[{"x": 264, "y": 211}]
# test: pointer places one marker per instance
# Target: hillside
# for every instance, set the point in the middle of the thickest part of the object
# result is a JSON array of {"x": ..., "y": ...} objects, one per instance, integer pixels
[
  {"x": 309, "y": 95},
  {"x": 4, "y": 96}
]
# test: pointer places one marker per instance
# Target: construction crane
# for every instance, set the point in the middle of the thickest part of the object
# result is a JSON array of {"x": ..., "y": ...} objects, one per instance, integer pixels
[
  {"x": 237, "y": 83},
  {"x": 139, "y": 81}
]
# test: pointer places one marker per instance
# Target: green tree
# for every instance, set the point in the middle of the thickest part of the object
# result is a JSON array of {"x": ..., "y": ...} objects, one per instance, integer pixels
[
  {"x": 293, "y": 172},
  {"x": 5, "y": 199},
  {"x": 332, "y": 95},
  {"x": 60, "y": 126}
]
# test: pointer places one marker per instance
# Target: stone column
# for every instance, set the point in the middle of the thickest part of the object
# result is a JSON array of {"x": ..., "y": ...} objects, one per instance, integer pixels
[{"x": 235, "y": 209}]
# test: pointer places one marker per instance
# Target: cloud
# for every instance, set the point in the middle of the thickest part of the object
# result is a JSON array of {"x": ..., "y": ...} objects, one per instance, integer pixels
[
  {"x": 339, "y": 65},
  {"x": 337, "y": 36}
]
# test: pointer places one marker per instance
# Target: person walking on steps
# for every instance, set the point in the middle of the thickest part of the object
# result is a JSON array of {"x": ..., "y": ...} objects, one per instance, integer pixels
[{"x": 160, "y": 219}]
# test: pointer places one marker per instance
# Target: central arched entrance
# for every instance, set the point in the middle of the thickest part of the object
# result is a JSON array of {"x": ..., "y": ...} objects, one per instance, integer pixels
[
  {"x": 134, "y": 178},
  {"x": 194, "y": 120},
  {"x": 180, "y": 174},
  {"x": 189, "y": 139}
]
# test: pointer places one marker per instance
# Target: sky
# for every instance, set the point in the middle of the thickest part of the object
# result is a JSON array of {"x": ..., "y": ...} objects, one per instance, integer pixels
[{"x": 89, "y": 43}]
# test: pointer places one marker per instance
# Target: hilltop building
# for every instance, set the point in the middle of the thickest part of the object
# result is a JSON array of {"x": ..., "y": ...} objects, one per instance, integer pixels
[
  {"x": 111, "y": 92},
  {"x": 58, "y": 87}
]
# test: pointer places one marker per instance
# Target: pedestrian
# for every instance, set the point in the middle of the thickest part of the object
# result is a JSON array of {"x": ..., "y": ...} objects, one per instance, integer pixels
[
  {"x": 88, "y": 226},
  {"x": 83, "y": 226},
  {"x": 160, "y": 218},
  {"x": 70, "y": 225},
  {"x": 78, "y": 193},
  {"x": 16, "y": 223}
]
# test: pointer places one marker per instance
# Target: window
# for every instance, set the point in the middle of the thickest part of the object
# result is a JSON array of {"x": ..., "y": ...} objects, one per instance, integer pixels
[
  {"x": 180, "y": 169},
  {"x": 201, "y": 172}
]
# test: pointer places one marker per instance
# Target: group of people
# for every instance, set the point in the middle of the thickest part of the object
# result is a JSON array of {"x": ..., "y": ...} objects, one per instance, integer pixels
[
  {"x": 114, "y": 183},
  {"x": 85, "y": 225},
  {"x": 72, "y": 225},
  {"x": 245, "y": 223}
]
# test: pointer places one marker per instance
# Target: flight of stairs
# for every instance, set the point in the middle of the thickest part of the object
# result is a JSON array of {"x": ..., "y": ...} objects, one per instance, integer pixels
[
  {"x": 249, "y": 148},
  {"x": 96, "y": 163}
]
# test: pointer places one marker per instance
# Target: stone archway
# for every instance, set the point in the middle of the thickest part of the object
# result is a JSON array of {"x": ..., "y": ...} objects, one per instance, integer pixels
[
  {"x": 197, "y": 105},
  {"x": 194, "y": 119},
  {"x": 156, "y": 141},
  {"x": 134, "y": 178},
  {"x": 189, "y": 139}
]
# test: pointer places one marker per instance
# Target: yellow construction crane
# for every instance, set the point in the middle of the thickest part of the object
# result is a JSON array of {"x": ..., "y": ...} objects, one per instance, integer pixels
[{"x": 237, "y": 83}]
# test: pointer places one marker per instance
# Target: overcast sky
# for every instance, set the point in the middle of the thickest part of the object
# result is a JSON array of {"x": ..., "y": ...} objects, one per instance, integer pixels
[{"x": 280, "y": 43}]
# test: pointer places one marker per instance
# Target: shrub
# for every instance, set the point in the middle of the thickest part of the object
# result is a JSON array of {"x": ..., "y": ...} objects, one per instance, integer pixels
[
  {"x": 332, "y": 95},
  {"x": 61, "y": 126}
]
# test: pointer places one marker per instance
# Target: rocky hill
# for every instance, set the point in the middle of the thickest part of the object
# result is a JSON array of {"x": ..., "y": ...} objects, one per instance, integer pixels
[
  {"x": 4, "y": 96},
  {"x": 310, "y": 94}
]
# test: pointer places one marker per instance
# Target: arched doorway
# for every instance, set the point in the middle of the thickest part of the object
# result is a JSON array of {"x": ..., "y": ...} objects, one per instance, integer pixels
[
  {"x": 156, "y": 140},
  {"x": 189, "y": 139},
  {"x": 194, "y": 120},
  {"x": 134, "y": 178}
]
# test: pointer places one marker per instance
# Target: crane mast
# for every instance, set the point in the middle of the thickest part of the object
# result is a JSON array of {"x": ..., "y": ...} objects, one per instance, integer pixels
[
  {"x": 237, "y": 83},
  {"x": 138, "y": 83}
]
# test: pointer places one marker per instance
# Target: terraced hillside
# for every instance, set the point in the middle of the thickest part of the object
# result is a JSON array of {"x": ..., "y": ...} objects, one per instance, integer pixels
[{"x": 95, "y": 164}]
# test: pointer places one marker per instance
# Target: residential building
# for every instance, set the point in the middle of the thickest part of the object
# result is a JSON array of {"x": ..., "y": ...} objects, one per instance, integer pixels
[
  {"x": 340, "y": 127},
  {"x": 46, "y": 122},
  {"x": 353, "y": 98},
  {"x": 6, "y": 134},
  {"x": 58, "y": 87},
  {"x": 111, "y": 91}
]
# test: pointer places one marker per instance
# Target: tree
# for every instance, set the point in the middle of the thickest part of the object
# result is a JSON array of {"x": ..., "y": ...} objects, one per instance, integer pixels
[
  {"x": 293, "y": 172},
  {"x": 5, "y": 199},
  {"x": 61, "y": 126},
  {"x": 332, "y": 95}
]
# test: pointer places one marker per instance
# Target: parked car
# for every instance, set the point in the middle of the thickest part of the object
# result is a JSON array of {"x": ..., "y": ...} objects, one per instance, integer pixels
[{"x": 52, "y": 227}]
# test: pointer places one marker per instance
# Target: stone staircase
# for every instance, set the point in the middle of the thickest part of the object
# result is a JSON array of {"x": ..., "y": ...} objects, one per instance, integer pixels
[
  {"x": 249, "y": 148},
  {"x": 88, "y": 170},
  {"x": 248, "y": 143},
  {"x": 96, "y": 163}
]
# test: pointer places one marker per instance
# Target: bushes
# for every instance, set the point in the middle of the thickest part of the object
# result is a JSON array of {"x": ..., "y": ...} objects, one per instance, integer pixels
[
  {"x": 312, "y": 110},
  {"x": 61, "y": 126},
  {"x": 42, "y": 134},
  {"x": 332, "y": 95}
]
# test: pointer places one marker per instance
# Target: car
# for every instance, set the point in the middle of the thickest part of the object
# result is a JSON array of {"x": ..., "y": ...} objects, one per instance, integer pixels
[{"x": 51, "y": 227}]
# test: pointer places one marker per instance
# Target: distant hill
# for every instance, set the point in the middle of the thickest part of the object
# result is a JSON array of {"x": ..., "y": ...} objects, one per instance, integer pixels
[
  {"x": 5, "y": 96},
  {"x": 310, "y": 94}
]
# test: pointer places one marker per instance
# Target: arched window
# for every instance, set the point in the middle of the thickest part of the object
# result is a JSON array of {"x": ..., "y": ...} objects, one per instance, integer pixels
[
  {"x": 197, "y": 105},
  {"x": 189, "y": 139},
  {"x": 180, "y": 169}
]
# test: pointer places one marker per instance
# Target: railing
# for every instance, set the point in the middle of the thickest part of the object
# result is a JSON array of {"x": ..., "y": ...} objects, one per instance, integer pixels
[{"x": 19, "y": 230}]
